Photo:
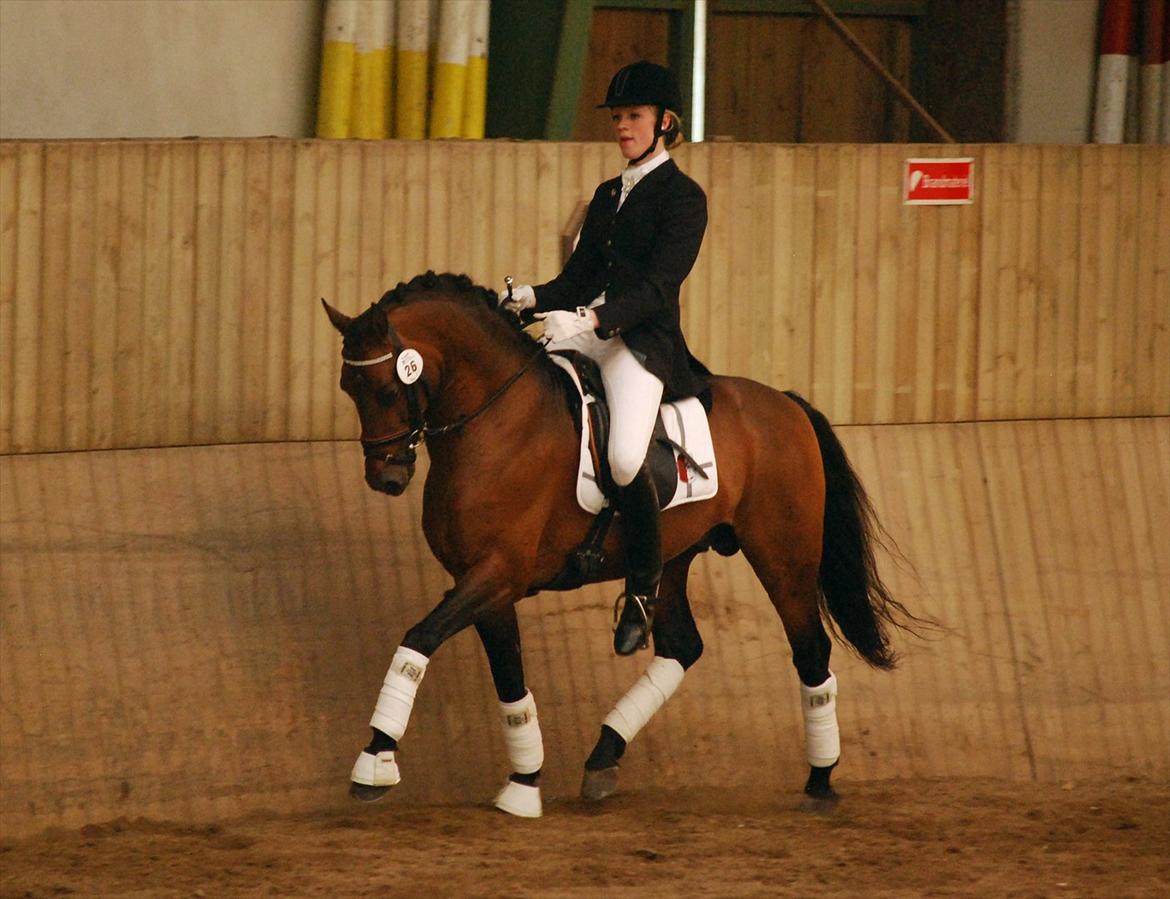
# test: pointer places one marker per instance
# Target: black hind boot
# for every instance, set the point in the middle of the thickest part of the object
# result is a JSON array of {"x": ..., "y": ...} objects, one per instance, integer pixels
[{"x": 637, "y": 504}]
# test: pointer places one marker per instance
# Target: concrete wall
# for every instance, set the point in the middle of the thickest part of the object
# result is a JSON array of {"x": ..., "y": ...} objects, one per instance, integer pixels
[{"x": 158, "y": 68}]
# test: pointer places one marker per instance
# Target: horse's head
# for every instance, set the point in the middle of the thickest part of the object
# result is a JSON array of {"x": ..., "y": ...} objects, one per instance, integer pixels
[{"x": 382, "y": 377}]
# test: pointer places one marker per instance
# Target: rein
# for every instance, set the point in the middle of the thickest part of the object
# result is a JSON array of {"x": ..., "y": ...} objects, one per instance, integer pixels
[{"x": 419, "y": 428}]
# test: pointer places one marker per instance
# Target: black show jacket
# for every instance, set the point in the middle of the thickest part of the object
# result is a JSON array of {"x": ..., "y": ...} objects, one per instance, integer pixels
[{"x": 639, "y": 255}]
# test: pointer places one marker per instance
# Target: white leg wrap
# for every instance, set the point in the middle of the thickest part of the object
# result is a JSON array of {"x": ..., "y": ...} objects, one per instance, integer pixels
[
  {"x": 522, "y": 735},
  {"x": 392, "y": 711},
  {"x": 375, "y": 770},
  {"x": 821, "y": 734},
  {"x": 650, "y": 691}
]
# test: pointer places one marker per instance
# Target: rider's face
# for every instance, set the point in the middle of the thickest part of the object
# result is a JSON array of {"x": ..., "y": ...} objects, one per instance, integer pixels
[{"x": 633, "y": 126}]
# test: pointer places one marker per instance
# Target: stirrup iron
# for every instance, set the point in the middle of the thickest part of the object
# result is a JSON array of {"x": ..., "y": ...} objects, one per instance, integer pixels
[{"x": 645, "y": 606}]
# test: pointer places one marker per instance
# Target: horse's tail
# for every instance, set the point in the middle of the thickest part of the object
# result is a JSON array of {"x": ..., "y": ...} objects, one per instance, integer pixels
[{"x": 858, "y": 603}]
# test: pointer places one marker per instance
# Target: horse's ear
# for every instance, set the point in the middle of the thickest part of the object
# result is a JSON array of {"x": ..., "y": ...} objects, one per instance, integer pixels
[{"x": 339, "y": 320}]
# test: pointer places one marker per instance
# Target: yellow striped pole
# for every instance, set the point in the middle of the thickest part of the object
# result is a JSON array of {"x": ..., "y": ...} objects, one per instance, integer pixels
[
  {"x": 451, "y": 68},
  {"x": 371, "y": 81},
  {"x": 335, "y": 98},
  {"x": 475, "y": 101},
  {"x": 410, "y": 104}
]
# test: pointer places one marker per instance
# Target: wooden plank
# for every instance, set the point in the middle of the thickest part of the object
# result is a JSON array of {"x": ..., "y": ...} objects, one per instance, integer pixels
[
  {"x": 129, "y": 417},
  {"x": 76, "y": 367},
  {"x": 549, "y": 222},
  {"x": 208, "y": 264},
  {"x": 1024, "y": 344},
  {"x": 1088, "y": 278},
  {"x": 720, "y": 212},
  {"x": 54, "y": 313},
  {"x": 845, "y": 284},
  {"x": 181, "y": 293},
  {"x": 889, "y": 250},
  {"x": 283, "y": 292},
  {"x": 986, "y": 338},
  {"x": 906, "y": 302},
  {"x": 801, "y": 277},
  {"x": 825, "y": 235},
  {"x": 1102, "y": 310},
  {"x": 782, "y": 253},
  {"x": 1160, "y": 287},
  {"x": 438, "y": 254},
  {"x": 9, "y": 253},
  {"x": 104, "y": 298},
  {"x": 1009, "y": 320},
  {"x": 348, "y": 239},
  {"x": 26, "y": 296},
  {"x": 229, "y": 318},
  {"x": 156, "y": 252},
  {"x": 394, "y": 221},
  {"x": 1060, "y": 197},
  {"x": 967, "y": 289},
  {"x": 322, "y": 348},
  {"x": 923, "y": 375},
  {"x": 738, "y": 287},
  {"x": 1122, "y": 395},
  {"x": 866, "y": 284},
  {"x": 757, "y": 337},
  {"x": 254, "y": 346}
]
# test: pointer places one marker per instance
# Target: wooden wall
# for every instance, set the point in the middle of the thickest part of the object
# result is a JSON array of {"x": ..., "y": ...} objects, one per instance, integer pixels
[{"x": 165, "y": 292}]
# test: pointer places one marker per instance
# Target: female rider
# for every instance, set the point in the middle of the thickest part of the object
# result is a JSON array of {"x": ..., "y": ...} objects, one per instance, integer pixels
[{"x": 617, "y": 301}]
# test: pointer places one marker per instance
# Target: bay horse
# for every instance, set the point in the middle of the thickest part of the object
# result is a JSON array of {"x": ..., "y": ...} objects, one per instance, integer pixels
[{"x": 438, "y": 359}]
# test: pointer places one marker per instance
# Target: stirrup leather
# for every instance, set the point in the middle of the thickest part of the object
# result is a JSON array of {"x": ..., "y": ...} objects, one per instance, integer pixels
[{"x": 645, "y": 606}]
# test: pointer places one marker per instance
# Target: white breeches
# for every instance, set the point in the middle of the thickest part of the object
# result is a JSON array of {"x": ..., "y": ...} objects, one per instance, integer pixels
[{"x": 633, "y": 395}]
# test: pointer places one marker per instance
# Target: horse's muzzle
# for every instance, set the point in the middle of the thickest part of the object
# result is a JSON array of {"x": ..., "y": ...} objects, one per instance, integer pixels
[{"x": 390, "y": 476}]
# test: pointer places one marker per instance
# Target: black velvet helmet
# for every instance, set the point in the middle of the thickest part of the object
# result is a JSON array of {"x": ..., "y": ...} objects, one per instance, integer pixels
[{"x": 644, "y": 84}]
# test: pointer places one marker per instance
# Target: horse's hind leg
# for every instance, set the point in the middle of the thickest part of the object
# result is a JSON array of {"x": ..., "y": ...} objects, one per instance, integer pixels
[
  {"x": 789, "y": 574},
  {"x": 677, "y": 646},
  {"x": 500, "y": 635}
]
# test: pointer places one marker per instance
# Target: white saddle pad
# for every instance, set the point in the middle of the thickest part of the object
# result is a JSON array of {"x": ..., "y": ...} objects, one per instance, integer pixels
[{"x": 686, "y": 424}]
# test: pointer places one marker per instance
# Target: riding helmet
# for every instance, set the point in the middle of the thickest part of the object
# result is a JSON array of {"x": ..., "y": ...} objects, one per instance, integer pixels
[{"x": 644, "y": 84}]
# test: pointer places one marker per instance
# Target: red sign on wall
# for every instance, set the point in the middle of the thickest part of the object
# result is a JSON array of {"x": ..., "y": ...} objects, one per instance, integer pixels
[{"x": 936, "y": 182}]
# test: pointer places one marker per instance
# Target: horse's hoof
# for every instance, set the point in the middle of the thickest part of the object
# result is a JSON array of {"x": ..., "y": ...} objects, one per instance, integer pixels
[
  {"x": 823, "y": 804},
  {"x": 599, "y": 784},
  {"x": 520, "y": 800},
  {"x": 373, "y": 775},
  {"x": 366, "y": 793}
]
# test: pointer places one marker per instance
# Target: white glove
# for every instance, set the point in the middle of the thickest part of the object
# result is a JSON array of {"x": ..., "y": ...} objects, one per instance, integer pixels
[
  {"x": 523, "y": 297},
  {"x": 560, "y": 325}
]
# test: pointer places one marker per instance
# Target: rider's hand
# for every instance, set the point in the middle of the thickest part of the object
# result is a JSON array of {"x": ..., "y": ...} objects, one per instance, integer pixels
[
  {"x": 523, "y": 297},
  {"x": 560, "y": 325}
]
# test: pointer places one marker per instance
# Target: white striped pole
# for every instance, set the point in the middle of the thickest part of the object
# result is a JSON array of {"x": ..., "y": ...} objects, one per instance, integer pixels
[
  {"x": 1117, "y": 21},
  {"x": 410, "y": 102},
  {"x": 335, "y": 96},
  {"x": 475, "y": 100},
  {"x": 371, "y": 81},
  {"x": 451, "y": 68},
  {"x": 1152, "y": 70}
]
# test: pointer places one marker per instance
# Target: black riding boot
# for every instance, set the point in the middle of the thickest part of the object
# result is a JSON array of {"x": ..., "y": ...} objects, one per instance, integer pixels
[{"x": 637, "y": 504}]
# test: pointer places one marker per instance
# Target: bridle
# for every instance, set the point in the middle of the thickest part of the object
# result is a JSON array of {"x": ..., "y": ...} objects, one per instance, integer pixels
[{"x": 419, "y": 428}]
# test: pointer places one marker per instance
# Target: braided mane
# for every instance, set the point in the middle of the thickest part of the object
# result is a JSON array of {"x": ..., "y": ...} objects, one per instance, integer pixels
[{"x": 502, "y": 327}]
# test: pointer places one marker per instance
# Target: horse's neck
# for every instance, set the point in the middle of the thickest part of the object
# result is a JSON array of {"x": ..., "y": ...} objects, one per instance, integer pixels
[{"x": 475, "y": 366}]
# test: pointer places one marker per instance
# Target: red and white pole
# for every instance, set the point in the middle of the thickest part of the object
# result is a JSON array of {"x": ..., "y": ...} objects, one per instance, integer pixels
[
  {"x": 1117, "y": 34},
  {"x": 1153, "y": 70}
]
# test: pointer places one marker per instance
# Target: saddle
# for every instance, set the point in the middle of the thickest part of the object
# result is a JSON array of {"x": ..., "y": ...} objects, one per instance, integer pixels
[{"x": 681, "y": 457}]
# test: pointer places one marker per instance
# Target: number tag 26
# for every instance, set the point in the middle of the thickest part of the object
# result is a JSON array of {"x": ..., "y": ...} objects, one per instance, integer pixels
[{"x": 409, "y": 366}]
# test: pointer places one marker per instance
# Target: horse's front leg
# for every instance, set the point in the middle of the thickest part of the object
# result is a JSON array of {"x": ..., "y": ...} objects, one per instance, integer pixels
[
  {"x": 500, "y": 635},
  {"x": 484, "y": 590}
]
